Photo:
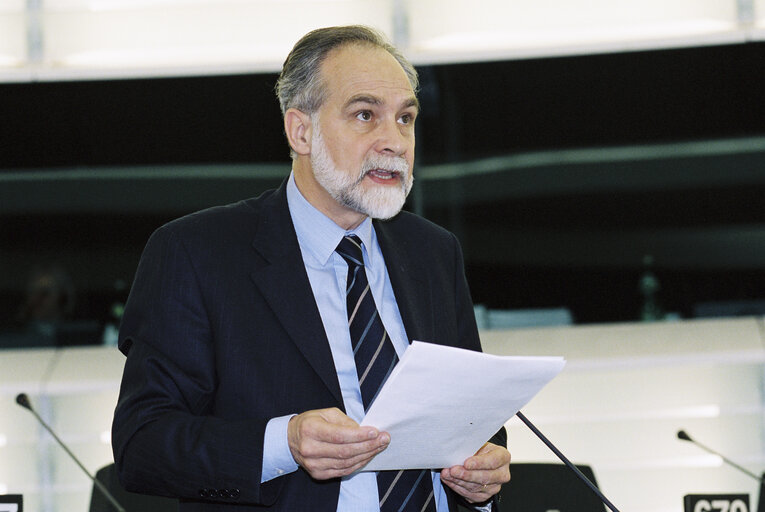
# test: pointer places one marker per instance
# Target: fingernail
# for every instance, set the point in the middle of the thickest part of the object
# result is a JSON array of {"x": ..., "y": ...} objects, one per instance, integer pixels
[
  {"x": 373, "y": 434},
  {"x": 385, "y": 439}
]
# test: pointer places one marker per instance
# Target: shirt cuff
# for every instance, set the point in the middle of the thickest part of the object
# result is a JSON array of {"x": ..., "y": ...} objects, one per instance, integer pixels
[
  {"x": 277, "y": 458},
  {"x": 484, "y": 508}
]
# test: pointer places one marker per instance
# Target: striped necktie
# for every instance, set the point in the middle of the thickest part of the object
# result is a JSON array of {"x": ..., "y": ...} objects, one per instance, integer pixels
[{"x": 399, "y": 491}]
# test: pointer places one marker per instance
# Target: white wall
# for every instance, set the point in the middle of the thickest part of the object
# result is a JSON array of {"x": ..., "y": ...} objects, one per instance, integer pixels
[{"x": 626, "y": 391}]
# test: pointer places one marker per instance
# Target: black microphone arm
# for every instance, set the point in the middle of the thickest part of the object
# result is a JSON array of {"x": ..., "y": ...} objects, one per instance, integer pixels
[
  {"x": 681, "y": 434},
  {"x": 23, "y": 400},
  {"x": 567, "y": 462}
]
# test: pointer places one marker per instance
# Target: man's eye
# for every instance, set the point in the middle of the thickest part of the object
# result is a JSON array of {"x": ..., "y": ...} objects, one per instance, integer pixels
[
  {"x": 364, "y": 115},
  {"x": 406, "y": 119}
]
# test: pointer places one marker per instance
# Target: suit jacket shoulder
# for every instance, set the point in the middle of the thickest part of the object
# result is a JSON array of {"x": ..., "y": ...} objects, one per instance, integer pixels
[{"x": 224, "y": 223}]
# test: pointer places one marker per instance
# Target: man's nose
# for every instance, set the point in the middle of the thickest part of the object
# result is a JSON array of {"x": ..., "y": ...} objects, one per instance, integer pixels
[{"x": 392, "y": 140}]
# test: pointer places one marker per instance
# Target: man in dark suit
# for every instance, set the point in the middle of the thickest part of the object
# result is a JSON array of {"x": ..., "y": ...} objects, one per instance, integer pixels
[{"x": 241, "y": 387}]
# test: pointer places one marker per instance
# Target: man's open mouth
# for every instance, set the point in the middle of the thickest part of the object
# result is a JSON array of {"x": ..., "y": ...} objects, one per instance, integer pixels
[{"x": 383, "y": 174}]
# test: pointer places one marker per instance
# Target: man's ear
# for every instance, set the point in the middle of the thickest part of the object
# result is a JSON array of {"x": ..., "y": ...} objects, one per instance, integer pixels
[{"x": 297, "y": 126}]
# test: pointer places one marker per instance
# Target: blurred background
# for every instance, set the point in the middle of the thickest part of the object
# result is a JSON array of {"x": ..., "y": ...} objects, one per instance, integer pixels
[{"x": 602, "y": 163}]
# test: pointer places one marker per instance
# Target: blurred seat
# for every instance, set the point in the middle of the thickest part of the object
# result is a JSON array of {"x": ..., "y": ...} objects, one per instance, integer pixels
[
  {"x": 130, "y": 501},
  {"x": 536, "y": 487}
]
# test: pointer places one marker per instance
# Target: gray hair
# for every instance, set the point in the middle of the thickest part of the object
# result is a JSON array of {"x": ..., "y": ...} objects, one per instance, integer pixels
[{"x": 300, "y": 85}]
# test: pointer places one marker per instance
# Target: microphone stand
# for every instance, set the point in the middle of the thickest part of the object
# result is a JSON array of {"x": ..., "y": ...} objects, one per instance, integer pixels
[
  {"x": 567, "y": 462},
  {"x": 23, "y": 400},
  {"x": 683, "y": 435}
]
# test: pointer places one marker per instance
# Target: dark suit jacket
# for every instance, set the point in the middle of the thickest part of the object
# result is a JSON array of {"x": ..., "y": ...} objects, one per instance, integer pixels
[{"x": 222, "y": 333}]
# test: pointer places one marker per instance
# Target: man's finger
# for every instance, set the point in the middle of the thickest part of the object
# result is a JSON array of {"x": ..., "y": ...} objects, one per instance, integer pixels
[
  {"x": 332, "y": 466},
  {"x": 474, "y": 493},
  {"x": 350, "y": 450},
  {"x": 478, "y": 477},
  {"x": 490, "y": 456},
  {"x": 338, "y": 428},
  {"x": 330, "y": 426}
]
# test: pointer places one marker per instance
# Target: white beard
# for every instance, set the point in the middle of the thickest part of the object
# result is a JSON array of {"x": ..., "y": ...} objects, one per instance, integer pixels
[{"x": 379, "y": 201}]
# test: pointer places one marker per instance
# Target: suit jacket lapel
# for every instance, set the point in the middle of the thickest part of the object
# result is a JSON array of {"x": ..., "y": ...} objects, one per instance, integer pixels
[
  {"x": 281, "y": 278},
  {"x": 407, "y": 272}
]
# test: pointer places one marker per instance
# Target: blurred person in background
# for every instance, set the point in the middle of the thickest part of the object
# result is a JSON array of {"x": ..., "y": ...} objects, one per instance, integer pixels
[{"x": 49, "y": 300}]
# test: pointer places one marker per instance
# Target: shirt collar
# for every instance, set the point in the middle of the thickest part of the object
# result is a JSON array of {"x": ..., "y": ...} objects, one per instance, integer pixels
[{"x": 317, "y": 233}]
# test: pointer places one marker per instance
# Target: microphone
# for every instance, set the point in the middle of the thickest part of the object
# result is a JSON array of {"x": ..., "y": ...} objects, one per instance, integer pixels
[
  {"x": 683, "y": 435},
  {"x": 567, "y": 462},
  {"x": 23, "y": 400}
]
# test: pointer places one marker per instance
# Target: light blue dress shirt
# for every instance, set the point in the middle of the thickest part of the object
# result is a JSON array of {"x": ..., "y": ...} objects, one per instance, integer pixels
[{"x": 318, "y": 237}]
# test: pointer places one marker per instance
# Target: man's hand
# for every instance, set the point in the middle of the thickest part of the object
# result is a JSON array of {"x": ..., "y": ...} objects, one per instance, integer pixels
[
  {"x": 481, "y": 476},
  {"x": 329, "y": 444}
]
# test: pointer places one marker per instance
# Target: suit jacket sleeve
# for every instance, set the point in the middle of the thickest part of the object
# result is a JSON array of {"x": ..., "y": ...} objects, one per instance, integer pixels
[{"x": 166, "y": 439}]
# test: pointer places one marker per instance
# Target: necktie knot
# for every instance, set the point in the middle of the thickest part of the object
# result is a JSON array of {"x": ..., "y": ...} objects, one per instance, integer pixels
[{"x": 350, "y": 249}]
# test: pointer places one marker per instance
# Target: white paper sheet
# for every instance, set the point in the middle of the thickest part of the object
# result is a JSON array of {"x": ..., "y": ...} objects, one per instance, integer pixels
[{"x": 441, "y": 404}]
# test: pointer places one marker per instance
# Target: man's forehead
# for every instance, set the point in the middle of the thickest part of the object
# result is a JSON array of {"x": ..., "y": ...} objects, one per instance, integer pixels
[{"x": 362, "y": 74}]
